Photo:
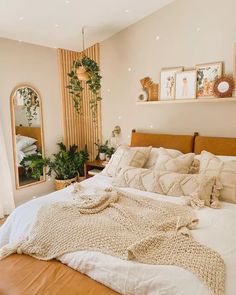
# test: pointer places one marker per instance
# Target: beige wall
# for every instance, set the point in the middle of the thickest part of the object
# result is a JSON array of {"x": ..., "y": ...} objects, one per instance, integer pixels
[
  {"x": 19, "y": 63},
  {"x": 180, "y": 44}
]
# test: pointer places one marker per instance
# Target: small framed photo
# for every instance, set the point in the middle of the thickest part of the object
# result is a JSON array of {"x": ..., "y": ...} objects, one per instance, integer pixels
[
  {"x": 186, "y": 85},
  {"x": 207, "y": 74},
  {"x": 167, "y": 88}
]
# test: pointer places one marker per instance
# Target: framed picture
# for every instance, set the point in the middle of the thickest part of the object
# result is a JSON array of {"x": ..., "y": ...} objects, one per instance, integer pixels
[
  {"x": 207, "y": 74},
  {"x": 167, "y": 88},
  {"x": 186, "y": 83}
]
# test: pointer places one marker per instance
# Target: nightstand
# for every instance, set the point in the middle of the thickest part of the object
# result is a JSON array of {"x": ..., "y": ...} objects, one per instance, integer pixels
[{"x": 94, "y": 167}]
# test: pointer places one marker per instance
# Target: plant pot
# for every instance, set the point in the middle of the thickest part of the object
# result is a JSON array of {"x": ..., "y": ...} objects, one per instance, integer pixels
[
  {"x": 60, "y": 184},
  {"x": 81, "y": 178},
  {"x": 82, "y": 74},
  {"x": 102, "y": 156},
  {"x": 108, "y": 157}
]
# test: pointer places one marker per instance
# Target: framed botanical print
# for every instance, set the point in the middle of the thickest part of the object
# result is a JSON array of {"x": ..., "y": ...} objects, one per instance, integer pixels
[
  {"x": 186, "y": 85},
  {"x": 167, "y": 88},
  {"x": 207, "y": 74}
]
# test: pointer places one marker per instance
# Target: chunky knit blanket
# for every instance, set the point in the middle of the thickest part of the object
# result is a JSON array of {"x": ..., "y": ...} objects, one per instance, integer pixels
[{"x": 122, "y": 225}]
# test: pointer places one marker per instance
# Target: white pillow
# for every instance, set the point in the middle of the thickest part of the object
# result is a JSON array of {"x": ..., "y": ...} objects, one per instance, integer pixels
[
  {"x": 23, "y": 142},
  {"x": 224, "y": 170},
  {"x": 30, "y": 148},
  {"x": 151, "y": 162},
  {"x": 126, "y": 156},
  {"x": 222, "y": 158},
  {"x": 169, "y": 162}
]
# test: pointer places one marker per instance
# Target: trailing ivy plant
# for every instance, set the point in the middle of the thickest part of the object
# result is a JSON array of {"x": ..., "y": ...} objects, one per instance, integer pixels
[
  {"x": 94, "y": 83},
  {"x": 31, "y": 103}
]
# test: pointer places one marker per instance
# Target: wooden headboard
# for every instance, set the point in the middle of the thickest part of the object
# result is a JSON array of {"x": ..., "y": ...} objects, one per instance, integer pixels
[
  {"x": 221, "y": 146},
  {"x": 183, "y": 143},
  {"x": 217, "y": 145},
  {"x": 34, "y": 132}
]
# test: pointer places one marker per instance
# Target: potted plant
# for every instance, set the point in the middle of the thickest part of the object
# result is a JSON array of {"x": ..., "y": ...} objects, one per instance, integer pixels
[
  {"x": 85, "y": 69},
  {"x": 66, "y": 165},
  {"x": 109, "y": 152},
  {"x": 102, "y": 149}
]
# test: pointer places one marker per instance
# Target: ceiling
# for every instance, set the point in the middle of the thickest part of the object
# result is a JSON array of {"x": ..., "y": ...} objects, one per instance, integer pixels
[{"x": 58, "y": 23}]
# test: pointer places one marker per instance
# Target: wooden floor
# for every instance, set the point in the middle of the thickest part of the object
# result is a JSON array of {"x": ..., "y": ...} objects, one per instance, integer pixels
[{"x": 2, "y": 221}]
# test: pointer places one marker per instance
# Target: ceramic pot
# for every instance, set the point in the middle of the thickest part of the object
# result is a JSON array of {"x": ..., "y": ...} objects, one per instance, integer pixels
[{"x": 102, "y": 156}]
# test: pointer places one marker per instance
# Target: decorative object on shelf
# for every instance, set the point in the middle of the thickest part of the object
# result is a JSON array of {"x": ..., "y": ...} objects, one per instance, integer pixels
[
  {"x": 186, "y": 85},
  {"x": 66, "y": 165},
  {"x": 151, "y": 88},
  {"x": 87, "y": 70},
  {"x": 26, "y": 97},
  {"x": 168, "y": 81},
  {"x": 224, "y": 86},
  {"x": 207, "y": 74}
]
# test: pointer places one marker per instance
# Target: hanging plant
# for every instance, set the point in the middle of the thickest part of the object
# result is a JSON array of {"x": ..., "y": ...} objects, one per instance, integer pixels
[
  {"x": 31, "y": 103},
  {"x": 86, "y": 70}
]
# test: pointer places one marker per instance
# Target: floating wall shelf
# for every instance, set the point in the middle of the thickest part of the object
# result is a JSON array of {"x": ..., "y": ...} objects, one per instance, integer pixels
[{"x": 198, "y": 100}]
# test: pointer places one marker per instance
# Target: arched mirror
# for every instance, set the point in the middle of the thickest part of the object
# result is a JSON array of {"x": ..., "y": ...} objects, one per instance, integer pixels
[{"x": 27, "y": 134}]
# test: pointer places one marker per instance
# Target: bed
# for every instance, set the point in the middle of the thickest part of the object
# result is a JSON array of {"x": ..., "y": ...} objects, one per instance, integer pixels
[{"x": 101, "y": 273}]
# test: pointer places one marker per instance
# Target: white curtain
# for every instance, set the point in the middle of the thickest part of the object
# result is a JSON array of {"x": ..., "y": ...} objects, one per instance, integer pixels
[{"x": 6, "y": 192}]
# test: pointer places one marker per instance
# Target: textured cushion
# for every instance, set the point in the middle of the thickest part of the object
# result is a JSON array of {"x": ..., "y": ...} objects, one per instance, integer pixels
[
  {"x": 172, "y": 163},
  {"x": 224, "y": 170},
  {"x": 23, "y": 142},
  {"x": 126, "y": 156},
  {"x": 203, "y": 187},
  {"x": 154, "y": 154}
]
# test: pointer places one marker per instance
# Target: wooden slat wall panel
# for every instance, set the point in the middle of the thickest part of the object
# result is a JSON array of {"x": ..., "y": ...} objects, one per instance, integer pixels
[{"x": 79, "y": 129}]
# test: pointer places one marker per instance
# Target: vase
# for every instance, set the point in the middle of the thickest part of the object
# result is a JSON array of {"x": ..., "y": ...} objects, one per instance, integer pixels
[{"x": 102, "y": 156}]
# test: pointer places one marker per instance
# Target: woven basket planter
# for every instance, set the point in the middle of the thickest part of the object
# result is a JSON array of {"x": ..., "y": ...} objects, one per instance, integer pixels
[
  {"x": 82, "y": 74},
  {"x": 60, "y": 184}
]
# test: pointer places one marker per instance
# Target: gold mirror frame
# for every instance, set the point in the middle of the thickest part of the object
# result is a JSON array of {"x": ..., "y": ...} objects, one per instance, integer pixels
[{"x": 13, "y": 125}]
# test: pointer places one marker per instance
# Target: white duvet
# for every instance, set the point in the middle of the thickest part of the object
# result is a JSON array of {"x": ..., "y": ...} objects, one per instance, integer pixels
[{"x": 216, "y": 229}]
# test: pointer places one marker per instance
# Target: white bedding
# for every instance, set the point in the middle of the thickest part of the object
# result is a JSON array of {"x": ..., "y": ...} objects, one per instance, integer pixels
[{"x": 216, "y": 229}]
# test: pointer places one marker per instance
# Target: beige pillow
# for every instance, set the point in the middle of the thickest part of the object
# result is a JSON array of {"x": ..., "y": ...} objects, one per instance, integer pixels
[
  {"x": 172, "y": 163},
  {"x": 126, "y": 156},
  {"x": 224, "y": 170},
  {"x": 154, "y": 154},
  {"x": 200, "y": 187}
]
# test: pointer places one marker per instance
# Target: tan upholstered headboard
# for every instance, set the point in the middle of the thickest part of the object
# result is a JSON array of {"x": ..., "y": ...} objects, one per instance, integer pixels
[
  {"x": 34, "y": 132},
  {"x": 183, "y": 143},
  {"x": 217, "y": 145}
]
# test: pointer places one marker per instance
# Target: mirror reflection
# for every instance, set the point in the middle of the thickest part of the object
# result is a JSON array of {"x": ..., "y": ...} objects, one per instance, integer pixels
[{"x": 27, "y": 130}]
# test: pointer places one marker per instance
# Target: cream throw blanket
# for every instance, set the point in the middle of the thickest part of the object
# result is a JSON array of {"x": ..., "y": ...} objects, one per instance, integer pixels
[{"x": 125, "y": 226}]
